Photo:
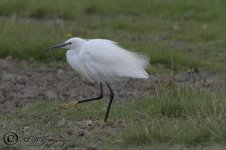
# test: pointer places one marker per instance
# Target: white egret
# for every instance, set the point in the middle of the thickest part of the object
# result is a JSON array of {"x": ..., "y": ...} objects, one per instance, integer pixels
[{"x": 102, "y": 61}]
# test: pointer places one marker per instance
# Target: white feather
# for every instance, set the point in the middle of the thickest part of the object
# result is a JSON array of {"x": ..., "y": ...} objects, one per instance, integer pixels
[{"x": 103, "y": 60}]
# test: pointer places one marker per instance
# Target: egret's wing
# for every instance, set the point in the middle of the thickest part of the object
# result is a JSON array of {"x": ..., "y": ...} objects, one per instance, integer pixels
[{"x": 104, "y": 60}]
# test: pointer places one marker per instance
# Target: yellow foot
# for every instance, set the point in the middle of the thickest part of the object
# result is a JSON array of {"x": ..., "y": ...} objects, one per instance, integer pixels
[
  {"x": 68, "y": 105},
  {"x": 108, "y": 122}
]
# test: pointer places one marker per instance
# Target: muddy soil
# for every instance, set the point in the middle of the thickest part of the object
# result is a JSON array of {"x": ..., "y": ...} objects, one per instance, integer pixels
[{"x": 23, "y": 82}]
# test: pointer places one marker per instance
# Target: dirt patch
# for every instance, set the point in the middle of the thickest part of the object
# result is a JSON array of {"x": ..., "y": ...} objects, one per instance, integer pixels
[{"x": 24, "y": 82}]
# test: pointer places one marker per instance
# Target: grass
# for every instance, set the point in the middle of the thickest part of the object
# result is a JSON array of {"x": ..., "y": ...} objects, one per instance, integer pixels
[
  {"x": 170, "y": 32},
  {"x": 176, "y": 116},
  {"x": 177, "y": 36},
  {"x": 191, "y": 119}
]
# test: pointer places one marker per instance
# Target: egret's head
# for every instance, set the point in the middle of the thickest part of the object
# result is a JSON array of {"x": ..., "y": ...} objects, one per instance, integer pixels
[{"x": 71, "y": 43}]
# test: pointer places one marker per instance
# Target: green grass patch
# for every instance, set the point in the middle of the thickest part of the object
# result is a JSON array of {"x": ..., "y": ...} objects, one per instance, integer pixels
[
  {"x": 188, "y": 116},
  {"x": 176, "y": 35},
  {"x": 173, "y": 116}
]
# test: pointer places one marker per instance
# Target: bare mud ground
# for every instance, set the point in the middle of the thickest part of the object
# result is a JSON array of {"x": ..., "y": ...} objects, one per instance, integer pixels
[
  {"x": 23, "y": 82},
  {"x": 26, "y": 82}
]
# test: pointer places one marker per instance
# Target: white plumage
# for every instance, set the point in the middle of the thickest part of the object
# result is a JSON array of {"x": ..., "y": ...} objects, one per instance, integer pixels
[{"x": 103, "y": 60}]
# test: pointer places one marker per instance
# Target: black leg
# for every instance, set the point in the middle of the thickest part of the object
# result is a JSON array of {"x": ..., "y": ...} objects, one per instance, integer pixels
[
  {"x": 96, "y": 98},
  {"x": 111, "y": 98}
]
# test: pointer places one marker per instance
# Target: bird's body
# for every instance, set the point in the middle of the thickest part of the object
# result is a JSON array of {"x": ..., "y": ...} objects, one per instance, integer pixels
[{"x": 103, "y": 61}]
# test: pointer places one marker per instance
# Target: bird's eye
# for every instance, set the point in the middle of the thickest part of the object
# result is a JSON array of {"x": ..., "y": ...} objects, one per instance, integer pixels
[{"x": 70, "y": 43}]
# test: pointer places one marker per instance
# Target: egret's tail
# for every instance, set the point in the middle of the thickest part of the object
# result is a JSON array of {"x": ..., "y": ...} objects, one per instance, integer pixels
[{"x": 138, "y": 64}]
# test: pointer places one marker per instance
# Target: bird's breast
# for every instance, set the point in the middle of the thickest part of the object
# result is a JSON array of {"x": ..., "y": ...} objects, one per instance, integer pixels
[{"x": 74, "y": 60}]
